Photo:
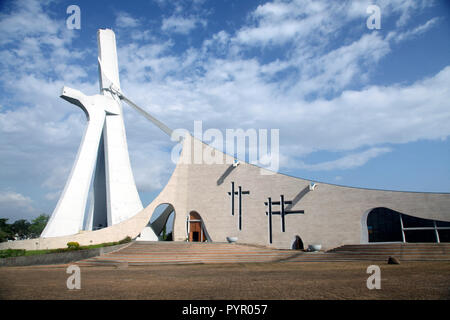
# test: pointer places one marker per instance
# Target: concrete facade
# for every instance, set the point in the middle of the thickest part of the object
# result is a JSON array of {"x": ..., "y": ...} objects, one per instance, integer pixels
[{"x": 334, "y": 215}]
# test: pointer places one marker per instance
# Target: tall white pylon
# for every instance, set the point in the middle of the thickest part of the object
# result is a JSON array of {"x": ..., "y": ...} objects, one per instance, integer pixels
[{"x": 102, "y": 162}]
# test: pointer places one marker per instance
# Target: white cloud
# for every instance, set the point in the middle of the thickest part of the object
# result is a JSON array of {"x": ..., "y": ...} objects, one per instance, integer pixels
[
  {"x": 280, "y": 22},
  {"x": 16, "y": 205},
  {"x": 53, "y": 196},
  {"x": 29, "y": 19},
  {"x": 404, "y": 8},
  {"x": 411, "y": 34},
  {"x": 181, "y": 25},
  {"x": 57, "y": 176},
  {"x": 125, "y": 20},
  {"x": 349, "y": 161},
  {"x": 336, "y": 69},
  {"x": 153, "y": 167}
]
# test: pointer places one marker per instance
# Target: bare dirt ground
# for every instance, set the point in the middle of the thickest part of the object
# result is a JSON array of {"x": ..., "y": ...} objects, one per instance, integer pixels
[{"x": 323, "y": 280}]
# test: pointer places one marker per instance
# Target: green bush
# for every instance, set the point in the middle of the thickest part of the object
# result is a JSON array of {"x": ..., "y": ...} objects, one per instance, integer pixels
[
  {"x": 125, "y": 240},
  {"x": 12, "y": 253},
  {"x": 73, "y": 245}
]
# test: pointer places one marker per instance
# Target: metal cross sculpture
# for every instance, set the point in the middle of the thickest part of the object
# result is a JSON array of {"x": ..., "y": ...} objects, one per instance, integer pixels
[
  {"x": 283, "y": 212},
  {"x": 239, "y": 193}
]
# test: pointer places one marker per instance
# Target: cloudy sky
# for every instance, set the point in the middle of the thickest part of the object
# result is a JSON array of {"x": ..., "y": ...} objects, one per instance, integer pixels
[{"x": 354, "y": 106}]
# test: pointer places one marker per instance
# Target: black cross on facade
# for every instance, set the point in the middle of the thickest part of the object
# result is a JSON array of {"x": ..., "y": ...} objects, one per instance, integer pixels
[
  {"x": 239, "y": 193},
  {"x": 283, "y": 212}
]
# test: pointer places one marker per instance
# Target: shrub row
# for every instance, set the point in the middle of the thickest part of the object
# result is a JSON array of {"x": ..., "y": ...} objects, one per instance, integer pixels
[{"x": 70, "y": 247}]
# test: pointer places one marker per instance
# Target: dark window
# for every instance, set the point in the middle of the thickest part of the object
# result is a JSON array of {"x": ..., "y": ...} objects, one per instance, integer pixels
[
  {"x": 413, "y": 222},
  {"x": 420, "y": 236},
  {"x": 444, "y": 235},
  {"x": 384, "y": 225},
  {"x": 442, "y": 224},
  {"x": 195, "y": 236}
]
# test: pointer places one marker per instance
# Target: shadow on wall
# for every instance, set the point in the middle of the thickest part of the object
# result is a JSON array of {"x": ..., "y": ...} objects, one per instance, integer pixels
[
  {"x": 298, "y": 197},
  {"x": 225, "y": 175}
]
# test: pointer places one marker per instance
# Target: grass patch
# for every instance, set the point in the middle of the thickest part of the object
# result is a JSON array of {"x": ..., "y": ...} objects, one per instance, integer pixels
[
  {"x": 11, "y": 253},
  {"x": 21, "y": 252}
]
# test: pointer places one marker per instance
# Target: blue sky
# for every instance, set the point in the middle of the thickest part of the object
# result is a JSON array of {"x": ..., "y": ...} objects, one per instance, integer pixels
[{"x": 358, "y": 107}]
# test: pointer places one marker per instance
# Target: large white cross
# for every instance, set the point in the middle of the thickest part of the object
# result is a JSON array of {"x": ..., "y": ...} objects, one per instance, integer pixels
[{"x": 102, "y": 164}]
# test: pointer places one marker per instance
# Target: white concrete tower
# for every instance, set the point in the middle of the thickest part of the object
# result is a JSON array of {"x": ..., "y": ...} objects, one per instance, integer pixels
[
  {"x": 103, "y": 150},
  {"x": 122, "y": 198}
]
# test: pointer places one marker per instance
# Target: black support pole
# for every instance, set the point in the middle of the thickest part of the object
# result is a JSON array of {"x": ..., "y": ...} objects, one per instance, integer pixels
[
  {"x": 270, "y": 220},
  {"x": 282, "y": 212},
  {"x": 232, "y": 198},
  {"x": 239, "y": 193},
  {"x": 240, "y": 208}
]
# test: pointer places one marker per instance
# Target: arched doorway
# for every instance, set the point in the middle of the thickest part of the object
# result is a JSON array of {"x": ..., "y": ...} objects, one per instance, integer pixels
[
  {"x": 297, "y": 244},
  {"x": 196, "y": 228},
  {"x": 160, "y": 224}
]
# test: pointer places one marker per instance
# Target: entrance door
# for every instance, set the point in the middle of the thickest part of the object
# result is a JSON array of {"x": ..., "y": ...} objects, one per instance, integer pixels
[
  {"x": 195, "y": 236},
  {"x": 196, "y": 230}
]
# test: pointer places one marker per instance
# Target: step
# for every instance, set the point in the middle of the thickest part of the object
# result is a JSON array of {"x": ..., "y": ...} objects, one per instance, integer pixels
[{"x": 154, "y": 253}]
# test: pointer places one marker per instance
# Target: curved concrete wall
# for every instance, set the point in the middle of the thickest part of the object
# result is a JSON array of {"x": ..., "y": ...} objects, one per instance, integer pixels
[{"x": 334, "y": 215}]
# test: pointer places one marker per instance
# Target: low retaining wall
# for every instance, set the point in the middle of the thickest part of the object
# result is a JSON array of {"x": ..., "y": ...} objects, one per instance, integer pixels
[{"x": 59, "y": 258}]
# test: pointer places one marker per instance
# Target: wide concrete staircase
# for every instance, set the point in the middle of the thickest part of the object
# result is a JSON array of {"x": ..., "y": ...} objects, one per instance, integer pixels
[
  {"x": 402, "y": 251},
  {"x": 148, "y": 253},
  {"x": 155, "y": 253}
]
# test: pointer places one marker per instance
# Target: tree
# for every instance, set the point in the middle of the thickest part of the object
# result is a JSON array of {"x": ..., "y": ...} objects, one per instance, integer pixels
[
  {"x": 4, "y": 225},
  {"x": 3, "y": 236},
  {"x": 38, "y": 225},
  {"x": 5, "y": 230},
  {"x": 21, "y": 228}
]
